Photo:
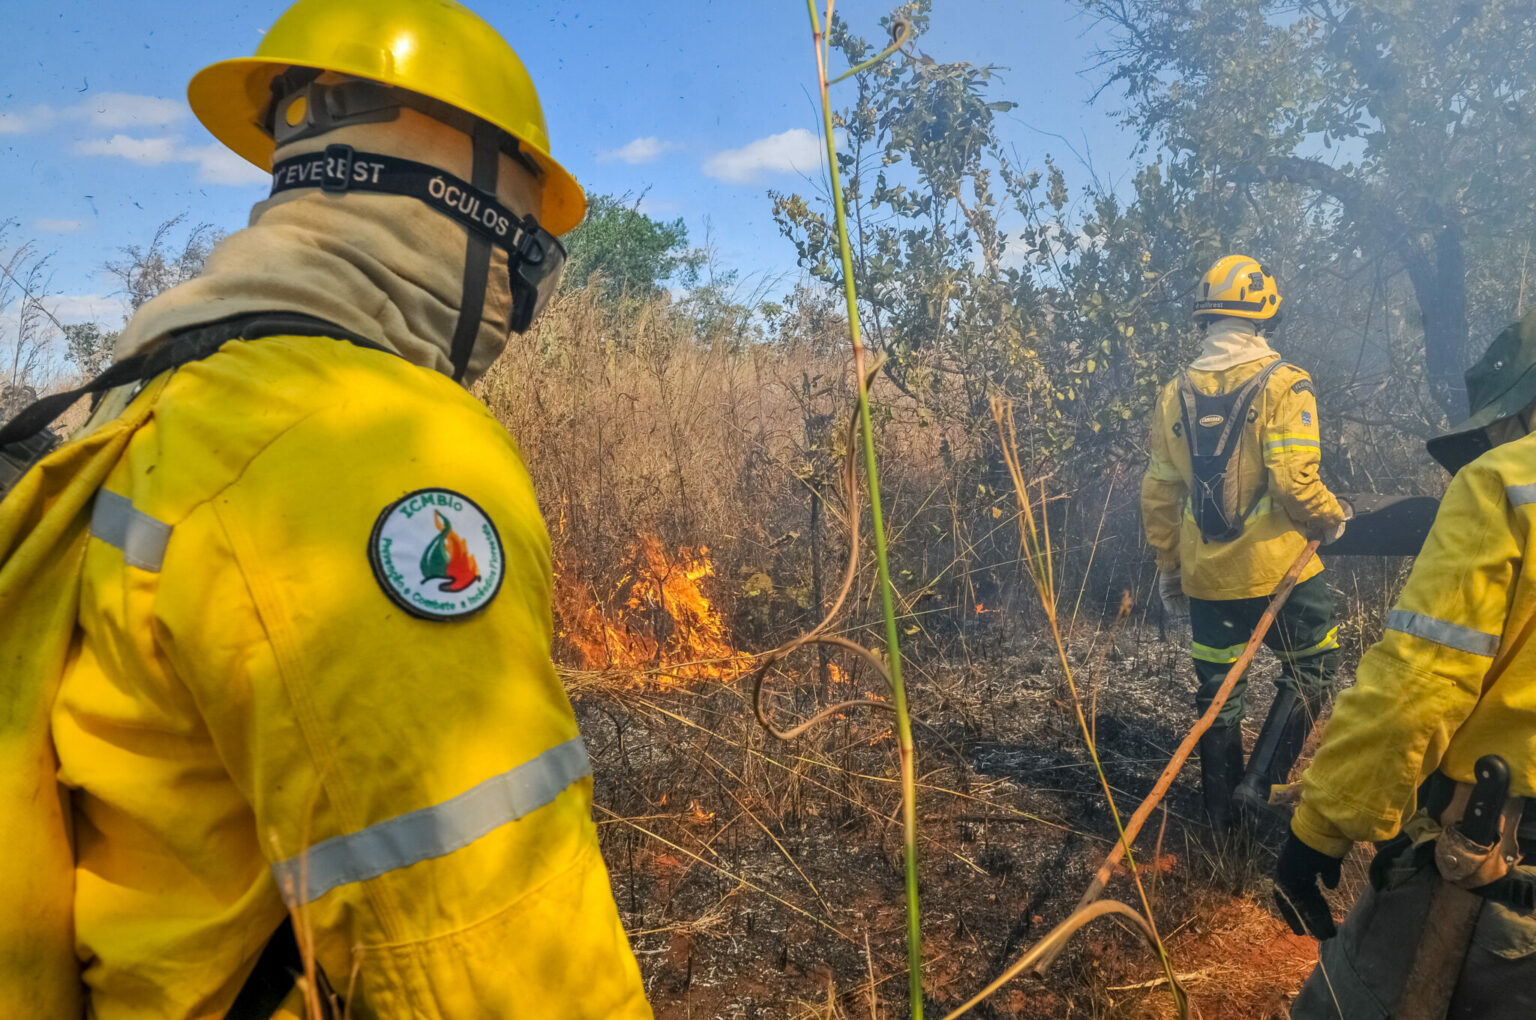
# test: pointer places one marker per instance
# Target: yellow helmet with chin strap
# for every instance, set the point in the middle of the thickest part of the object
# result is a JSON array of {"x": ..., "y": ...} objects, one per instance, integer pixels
[
  {"x": 1239, "y": 287},
  {"x": 434, "y": 48}
]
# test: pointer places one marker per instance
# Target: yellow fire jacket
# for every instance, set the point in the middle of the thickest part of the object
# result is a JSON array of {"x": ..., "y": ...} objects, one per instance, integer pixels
[
  {"x": 1278, "y": 455},
  {"x": 304, "y": 664},
  {"x": 1451, "y": 678}
]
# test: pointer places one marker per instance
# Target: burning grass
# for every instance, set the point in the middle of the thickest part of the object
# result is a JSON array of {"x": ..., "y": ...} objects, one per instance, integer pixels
[{"x": 655, "y": 623}]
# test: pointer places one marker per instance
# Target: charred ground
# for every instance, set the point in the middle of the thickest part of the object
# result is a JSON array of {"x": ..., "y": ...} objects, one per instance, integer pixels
[{"x": 750, "y": 872}]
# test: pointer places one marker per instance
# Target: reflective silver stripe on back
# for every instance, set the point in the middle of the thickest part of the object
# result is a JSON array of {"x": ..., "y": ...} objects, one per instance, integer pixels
[
  {"x": 1520, "y": 495},
  {"x": 1443, "y": 632},
  {"x": 141, "y": 538},
  {"x": 432, "y": 831}
]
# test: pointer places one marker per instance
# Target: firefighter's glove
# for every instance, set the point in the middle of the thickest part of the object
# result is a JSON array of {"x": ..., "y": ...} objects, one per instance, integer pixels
[
  {"x": 1328, "y": 534},
  {"x": 1300, "y": 901},
  {"x": 1331, "y": 533},
  {"x": 1170, "y": 588}
]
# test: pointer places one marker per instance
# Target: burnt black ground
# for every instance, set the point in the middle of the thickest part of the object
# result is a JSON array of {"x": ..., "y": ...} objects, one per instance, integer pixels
[{"x": 729, "y": 831}]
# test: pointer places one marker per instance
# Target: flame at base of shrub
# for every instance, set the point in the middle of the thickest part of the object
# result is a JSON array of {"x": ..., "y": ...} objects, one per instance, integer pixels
[{"x": 658, "y": 621}]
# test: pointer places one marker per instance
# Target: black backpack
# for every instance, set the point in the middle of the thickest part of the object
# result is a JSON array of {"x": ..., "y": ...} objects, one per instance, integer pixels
[{"x": 1213, "y": 427}]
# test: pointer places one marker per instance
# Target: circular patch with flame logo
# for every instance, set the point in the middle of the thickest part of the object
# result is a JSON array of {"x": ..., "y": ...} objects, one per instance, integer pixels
[{"x": 437, "y": 555}]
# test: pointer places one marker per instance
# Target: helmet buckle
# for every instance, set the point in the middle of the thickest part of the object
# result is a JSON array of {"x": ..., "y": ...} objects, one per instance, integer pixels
[{"x": 530, "y": 247}]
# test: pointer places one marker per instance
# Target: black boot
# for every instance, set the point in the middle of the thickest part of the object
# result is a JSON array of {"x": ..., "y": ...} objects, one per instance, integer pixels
[
  {"x": 1279, "y": 745},
  {"x": 1221, "y": 763}
]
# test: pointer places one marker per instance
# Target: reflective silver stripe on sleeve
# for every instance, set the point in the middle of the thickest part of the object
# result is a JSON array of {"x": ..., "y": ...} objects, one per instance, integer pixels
[
  {"x": 141, "y": 538},
  {"x": 1520, "y": 495},
  {"x": 432, "y": 831},
  {"x": 1442, "y": 632}
]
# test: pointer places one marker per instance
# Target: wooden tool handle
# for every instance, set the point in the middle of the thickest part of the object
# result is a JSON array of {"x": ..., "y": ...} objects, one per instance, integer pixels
[{"x": 1442, "y": 948}]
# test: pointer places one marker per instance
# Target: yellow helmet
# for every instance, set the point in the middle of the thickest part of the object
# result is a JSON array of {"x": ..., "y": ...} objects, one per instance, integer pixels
[
  {"x": 435, "y": 48},
  {"x": 1237, "y": 286}
]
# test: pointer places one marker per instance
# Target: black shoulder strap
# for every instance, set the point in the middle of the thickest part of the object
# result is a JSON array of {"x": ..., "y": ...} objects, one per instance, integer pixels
[
  {"x": 1256, "y": 386},
  {"x": 1209, "y": 459},
  {"x": 272, "y": 979},
  {"x": 1236, "y": 413},
  {"x": 1187, "y": 401},
  {"x": 270, "y": 982},
  {"x": 1250, "y": 392},
  {"x": 186, "y": 345}
]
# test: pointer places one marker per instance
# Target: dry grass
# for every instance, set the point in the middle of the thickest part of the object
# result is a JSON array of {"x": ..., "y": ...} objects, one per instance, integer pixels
[
  {"x": 751, "y": 872},
  {"x": 761, "y": 879}
]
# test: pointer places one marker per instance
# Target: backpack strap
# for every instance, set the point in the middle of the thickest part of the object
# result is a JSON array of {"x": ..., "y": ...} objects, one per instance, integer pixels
[
  {"x": 1235, "y": 415},
  {"x": 1251, "y": 393},
  {"x": 179, "y": 348},
  {"x": 1241, "y": 405},
  {"x": 272, "y": 979}
]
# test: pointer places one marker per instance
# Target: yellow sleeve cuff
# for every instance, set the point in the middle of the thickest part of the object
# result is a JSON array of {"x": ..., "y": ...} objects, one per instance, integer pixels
[{"x": 1318, "y": 832}]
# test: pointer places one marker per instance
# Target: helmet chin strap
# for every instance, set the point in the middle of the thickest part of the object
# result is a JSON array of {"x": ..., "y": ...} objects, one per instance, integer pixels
[{"x": 477, "y": 253}]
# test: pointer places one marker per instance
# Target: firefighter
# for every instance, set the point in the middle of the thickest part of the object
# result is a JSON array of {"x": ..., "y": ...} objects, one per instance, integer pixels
[
  {"x": 1230, "y": 496},
  {"x": 275, "y": 625},
  {"x": 1449, "y": 682}
]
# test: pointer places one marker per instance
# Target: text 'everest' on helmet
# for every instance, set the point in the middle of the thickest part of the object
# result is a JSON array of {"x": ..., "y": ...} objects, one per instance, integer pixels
[
  {"x": 435, "y": 48},
  {"x": 1237, "y": 286}
]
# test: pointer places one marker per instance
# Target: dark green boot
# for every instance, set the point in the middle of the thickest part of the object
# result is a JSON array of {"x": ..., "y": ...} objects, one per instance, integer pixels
[
  {"x": 1279, "y": 745},
  {"x": 1221, "y": 763}
]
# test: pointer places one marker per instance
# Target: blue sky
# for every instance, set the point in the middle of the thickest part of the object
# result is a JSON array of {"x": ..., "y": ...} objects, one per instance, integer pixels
[{"x": 706, "y": 104}]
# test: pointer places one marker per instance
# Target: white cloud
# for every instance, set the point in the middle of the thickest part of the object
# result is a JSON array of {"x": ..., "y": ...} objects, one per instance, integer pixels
[
  {"x": 125, "y": 110},
  {"x": 218, "y": 165},
  {"x": 215, "y": 163},
  {"x": 104, "y": 110},
  {"x": 16, "y": 122},
  {"x": 144, "y": 151},
  {"x": 793, "y": 151},
  {"x": 102, "y": 308},
  {"x": 641, "y": 150},
  {"x": 57, "y": 226}
]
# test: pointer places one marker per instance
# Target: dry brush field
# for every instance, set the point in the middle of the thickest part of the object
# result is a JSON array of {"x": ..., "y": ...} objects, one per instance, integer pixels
[{"x": 691, "y": 494}]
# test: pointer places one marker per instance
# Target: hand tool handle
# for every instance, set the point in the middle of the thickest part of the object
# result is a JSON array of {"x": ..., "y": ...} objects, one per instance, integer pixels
[{"x": 1480, "y": 821}]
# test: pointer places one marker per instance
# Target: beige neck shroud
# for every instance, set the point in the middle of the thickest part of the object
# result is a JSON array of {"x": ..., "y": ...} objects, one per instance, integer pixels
[
  {"x": 386, "y": 267},
  {"x": 1229, "y": 342}
]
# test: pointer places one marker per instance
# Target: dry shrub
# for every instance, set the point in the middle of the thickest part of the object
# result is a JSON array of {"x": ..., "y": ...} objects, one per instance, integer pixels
[{"x": 632, "y": 427}]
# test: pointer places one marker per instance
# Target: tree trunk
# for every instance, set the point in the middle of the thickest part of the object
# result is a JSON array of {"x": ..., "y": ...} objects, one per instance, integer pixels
[
  {"x": 1440, "y": 288},
  {"x": 1427, "y": 241}
]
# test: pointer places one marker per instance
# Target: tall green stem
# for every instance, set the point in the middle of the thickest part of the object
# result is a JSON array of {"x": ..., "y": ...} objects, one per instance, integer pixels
[{"x": 887, "y": 598}]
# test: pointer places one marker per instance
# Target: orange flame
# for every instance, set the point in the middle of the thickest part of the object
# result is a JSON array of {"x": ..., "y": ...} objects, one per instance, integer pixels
[
  {"x": 463, "y": 571},
  {"x": 665, "y": 624}
]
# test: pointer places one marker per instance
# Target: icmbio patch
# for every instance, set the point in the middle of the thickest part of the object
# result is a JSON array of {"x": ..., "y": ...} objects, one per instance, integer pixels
[{"x": 437, "y": 555}]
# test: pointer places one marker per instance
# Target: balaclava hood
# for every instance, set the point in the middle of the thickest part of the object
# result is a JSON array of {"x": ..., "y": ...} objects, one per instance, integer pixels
[
  {"x": 386, "y": 267},
  {"x": 1229, "y": 342}
]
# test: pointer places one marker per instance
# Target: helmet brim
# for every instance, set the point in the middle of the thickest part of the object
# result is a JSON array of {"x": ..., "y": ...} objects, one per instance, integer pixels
[
  {"x": 1467, "y": 440},
  {"x": 222, "y": 95}
]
